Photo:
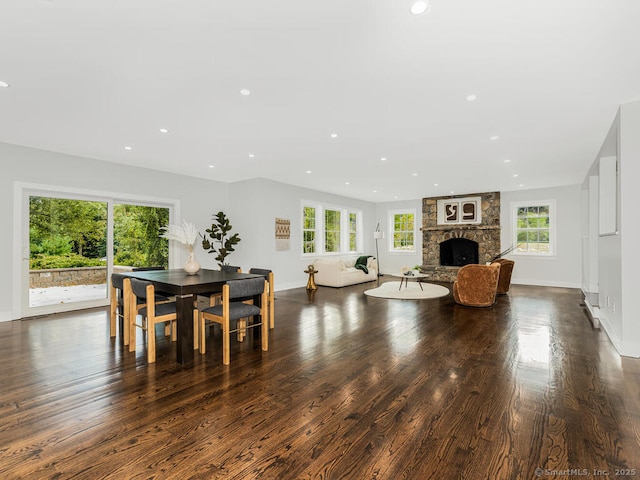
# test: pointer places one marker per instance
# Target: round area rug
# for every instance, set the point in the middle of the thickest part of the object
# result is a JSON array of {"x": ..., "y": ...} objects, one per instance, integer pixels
[{"x": 409, "y": 292}]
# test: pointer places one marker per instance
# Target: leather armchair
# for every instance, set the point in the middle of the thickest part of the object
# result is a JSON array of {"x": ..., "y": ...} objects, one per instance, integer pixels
[
  {"x": 476, "y": 285},
  {"x": 506, "y": 268}
]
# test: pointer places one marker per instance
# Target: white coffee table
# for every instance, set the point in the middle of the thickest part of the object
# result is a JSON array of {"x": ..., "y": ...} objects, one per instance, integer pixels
[{"x": 406, "y": 278}]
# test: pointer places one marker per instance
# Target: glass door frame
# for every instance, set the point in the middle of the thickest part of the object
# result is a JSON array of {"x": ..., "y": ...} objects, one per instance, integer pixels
[{"x": 22, "y": 193}]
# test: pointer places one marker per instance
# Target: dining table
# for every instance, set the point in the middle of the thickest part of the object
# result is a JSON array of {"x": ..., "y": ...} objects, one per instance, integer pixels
[{"x": 186, "y": 288}]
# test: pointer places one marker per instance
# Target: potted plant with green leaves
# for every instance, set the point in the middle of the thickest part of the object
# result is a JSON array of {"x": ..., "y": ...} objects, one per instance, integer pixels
[{"x": 220, "y": 240}]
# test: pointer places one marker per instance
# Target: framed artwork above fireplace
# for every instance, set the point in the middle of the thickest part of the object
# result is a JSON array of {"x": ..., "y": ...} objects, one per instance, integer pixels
[{"x": 455, "y": 211}]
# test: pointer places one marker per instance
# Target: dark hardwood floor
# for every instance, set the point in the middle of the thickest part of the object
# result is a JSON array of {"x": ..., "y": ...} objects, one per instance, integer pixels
[{"x": 352, "y": 387}]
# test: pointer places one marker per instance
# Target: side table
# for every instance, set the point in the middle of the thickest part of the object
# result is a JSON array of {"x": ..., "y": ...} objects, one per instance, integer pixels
[{"x": 311, "y": 284}]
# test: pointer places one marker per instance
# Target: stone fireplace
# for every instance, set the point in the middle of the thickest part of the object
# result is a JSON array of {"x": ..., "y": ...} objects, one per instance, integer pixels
[{"x": 446, "y": 247}]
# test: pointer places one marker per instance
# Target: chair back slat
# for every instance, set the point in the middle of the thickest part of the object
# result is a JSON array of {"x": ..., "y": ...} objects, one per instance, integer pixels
[
  {"x": 245, "y": 288},
  {"x": 117, "y": 280},
  {"x": 139, "y": 287},
  {"x": 230, "y": 269},
  {"x": 260, "y": 271}
]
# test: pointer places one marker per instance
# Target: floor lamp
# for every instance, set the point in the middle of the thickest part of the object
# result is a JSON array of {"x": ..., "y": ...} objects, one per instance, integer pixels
[{"x": 378, "y": 235}]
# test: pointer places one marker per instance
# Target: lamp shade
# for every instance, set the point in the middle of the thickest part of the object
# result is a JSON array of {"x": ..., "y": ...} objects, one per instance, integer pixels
[{"x": 378, "y": 234}]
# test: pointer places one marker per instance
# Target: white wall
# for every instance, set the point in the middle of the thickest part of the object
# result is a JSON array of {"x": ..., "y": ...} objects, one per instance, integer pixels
[
  {"x": 617, "y": 255},
  {"x": 629, "y": 156},
  {"x": 392, "y": 262},
  {"x": 198, "y": 198},
  {"x": 253, "y": 207},
  {"x": 564, "y": 268}
]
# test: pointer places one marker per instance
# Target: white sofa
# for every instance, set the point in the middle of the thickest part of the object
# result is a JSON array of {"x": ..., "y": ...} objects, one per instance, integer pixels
[{"x": 339, "y": 272}]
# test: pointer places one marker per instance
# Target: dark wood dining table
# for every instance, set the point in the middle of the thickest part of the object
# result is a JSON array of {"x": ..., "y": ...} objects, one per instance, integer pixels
[{"x": 186, "y": 288}]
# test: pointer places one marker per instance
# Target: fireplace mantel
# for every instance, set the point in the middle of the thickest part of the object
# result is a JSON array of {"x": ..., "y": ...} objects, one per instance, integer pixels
[{"x": 449, "y": 228}]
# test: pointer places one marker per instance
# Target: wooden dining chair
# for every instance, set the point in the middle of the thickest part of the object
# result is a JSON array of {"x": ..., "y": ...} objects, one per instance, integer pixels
[
  {"x": 237, "y": 304},
  {"x": 215, "y": 298},
  {"x": 149, "y": 315},
  {"x": 268, "y": 275},
  {"x": 116, "y": 310}
]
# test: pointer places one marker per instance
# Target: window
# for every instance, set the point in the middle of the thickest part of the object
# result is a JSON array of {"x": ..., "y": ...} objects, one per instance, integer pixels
[
  {"x": 330, "y": 229},
  {"x": 534, "y": 228},
  {"x": 308, "y": 229},
  {"x": 353, "y": 232},
  {"x": 403, "y": 233}
]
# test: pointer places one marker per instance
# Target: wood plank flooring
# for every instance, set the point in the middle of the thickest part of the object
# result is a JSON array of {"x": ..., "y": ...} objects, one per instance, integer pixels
[{"x": 352, "y": 387}]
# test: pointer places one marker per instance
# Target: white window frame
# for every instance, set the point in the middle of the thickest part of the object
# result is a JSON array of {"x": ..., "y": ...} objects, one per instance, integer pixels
[
  {"x": 345, "y": 244},
  {"x": 553, "y": 227},
  {"x": 391, "y": 232}
]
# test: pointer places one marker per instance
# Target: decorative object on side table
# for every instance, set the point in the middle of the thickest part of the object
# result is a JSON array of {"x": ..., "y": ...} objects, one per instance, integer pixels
[
  {"x": 186, "y": 234},
  {"x": 311, "y": 284},
  {"x": 220, "y": 241}
]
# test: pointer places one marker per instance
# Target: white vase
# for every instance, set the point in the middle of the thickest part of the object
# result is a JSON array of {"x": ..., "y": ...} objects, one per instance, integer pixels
[{"x": 191, "y": 266}]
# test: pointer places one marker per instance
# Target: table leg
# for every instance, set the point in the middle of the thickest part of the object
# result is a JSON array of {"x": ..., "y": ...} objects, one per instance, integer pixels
[
  {"x": 420, "y": 283},
  {"x": 184, "y": 312}
]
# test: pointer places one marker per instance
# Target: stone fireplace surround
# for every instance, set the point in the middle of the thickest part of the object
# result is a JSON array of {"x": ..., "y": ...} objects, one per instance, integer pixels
[{"x": 487, "y": 234}]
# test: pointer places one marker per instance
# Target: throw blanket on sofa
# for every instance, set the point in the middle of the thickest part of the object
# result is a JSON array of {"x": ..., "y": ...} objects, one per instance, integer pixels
[{"x": 361, "y": 263}]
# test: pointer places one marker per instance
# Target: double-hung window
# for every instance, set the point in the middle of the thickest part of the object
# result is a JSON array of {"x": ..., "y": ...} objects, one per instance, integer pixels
[
  {"x": 534, "y": 229},
  {"x": 403, "y": 231},
  {"x": 332, "y": 233},
  {"x": 309, "y": 232},
  {"x": 328, "y": 229}
]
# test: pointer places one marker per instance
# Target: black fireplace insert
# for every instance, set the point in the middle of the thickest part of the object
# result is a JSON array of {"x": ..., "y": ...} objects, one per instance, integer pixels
[{"x": 457, "y": 252}]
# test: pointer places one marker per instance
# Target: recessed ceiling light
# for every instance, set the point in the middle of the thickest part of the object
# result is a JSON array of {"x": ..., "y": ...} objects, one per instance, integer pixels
[
  {"x": 334, "y": 135},
  {"x": 414, "y": 174},
  {"x": 164, "y": 130},
  {"x": 245, "y": 92},
  {"x": 346, "y": 183},
  {"x": 384, "y": 159},
  {"x": 418, "y": 8},
  {"x": 308, "y": 171},
  {"x": 435, "y": 184},
  {"x": 515, "y": 175},
  {"x": 4, "y": 84},
  {"x": 495, "y": 137},
  {"x": 128, "y": 148},
  {"x": 507, "y": 160},
  {"x": 212, "y": 166},
  {"x": 251, "y": 155},
  {"x": 451, "y": 192},
  {"x": 472, "y": 97},
  {"x": 375, "y": 191},
  {"x": 521, "y": 185},
  {"x": 396, "y": 197}
]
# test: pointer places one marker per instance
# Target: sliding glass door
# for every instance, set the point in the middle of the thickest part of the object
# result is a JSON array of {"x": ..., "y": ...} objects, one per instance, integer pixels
[
  {"x": 75, "y": 242},
  {"x": 67, "y": 251}
]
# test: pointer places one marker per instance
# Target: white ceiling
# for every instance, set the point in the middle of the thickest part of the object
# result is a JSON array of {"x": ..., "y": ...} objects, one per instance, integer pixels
[{"x": 89, "y": 77}]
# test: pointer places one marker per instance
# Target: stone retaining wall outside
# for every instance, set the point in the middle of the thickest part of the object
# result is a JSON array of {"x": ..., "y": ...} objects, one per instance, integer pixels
[{"x": 66, "y": 277}]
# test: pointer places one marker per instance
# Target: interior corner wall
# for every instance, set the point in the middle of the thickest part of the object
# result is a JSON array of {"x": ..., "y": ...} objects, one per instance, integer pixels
[
  {"x": 563, "y": 269},
  {"x": 197, "y": 197},
  {"x": 253, "y": 207}
]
